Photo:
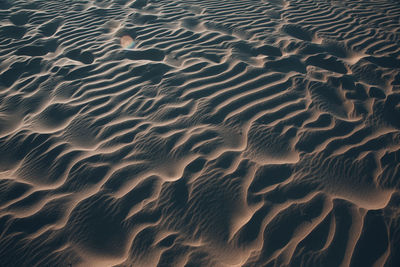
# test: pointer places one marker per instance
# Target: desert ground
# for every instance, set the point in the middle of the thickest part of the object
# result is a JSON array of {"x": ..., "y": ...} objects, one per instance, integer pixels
[{"x": 199, "y": 133}]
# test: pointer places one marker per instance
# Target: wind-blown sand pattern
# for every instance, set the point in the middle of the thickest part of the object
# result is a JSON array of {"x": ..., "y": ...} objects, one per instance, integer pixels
[{"x": 221, "y": 133}]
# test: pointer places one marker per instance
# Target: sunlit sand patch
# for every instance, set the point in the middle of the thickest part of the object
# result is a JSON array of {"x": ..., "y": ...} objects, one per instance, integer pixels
[
  {"x": 127, "y": 42},
  {"x": 354, "y": 58}
]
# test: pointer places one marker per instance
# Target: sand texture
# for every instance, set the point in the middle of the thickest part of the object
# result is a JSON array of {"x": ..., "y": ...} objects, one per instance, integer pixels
[{"x": 199, "y": 133}]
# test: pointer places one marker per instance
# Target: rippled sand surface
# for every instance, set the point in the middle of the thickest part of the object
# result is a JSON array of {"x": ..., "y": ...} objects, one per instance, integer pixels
[{"x": 199, "y": 133}]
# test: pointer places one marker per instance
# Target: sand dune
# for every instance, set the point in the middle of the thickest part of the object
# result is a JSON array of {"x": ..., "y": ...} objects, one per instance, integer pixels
[{"x": 199, "y": 133}]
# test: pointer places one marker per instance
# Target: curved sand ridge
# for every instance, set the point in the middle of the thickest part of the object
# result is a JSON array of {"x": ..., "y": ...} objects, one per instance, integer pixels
[{"x": 230, "y": 133}]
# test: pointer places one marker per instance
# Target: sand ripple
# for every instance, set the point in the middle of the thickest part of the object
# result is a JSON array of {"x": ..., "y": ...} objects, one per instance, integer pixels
[{"x": 231, "y": 133}]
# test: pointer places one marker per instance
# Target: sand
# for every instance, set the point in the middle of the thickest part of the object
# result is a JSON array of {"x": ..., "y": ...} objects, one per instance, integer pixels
[{"x": 199, "y": 133}]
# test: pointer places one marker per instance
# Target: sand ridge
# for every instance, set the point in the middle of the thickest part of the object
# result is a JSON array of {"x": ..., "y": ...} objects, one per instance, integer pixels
[{"x": 220, "y": 133}]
